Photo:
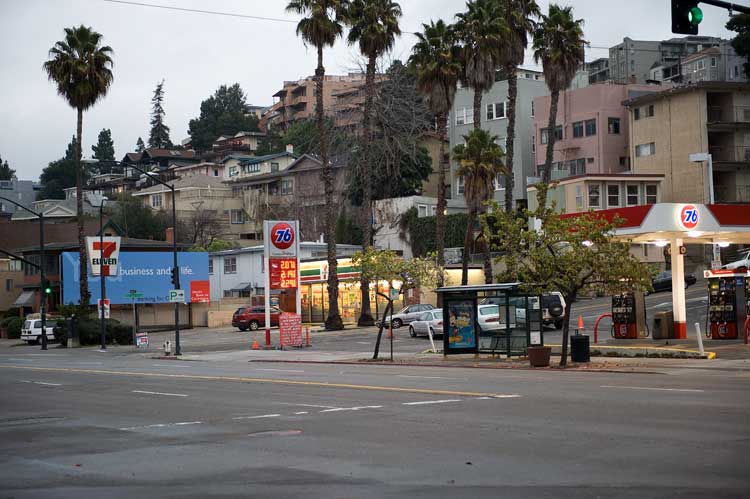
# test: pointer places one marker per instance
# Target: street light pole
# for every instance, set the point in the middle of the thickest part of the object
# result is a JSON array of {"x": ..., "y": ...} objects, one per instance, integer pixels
[
  {"x": 102, "y": 277},
  {"x": 42, "y": 270},
  {"x": 708, "y": 158}
]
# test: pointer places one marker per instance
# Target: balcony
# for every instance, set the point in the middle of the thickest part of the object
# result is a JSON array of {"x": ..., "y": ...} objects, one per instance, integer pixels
[
  {"x": 728, "y": 114},
  {"x": 738, "y": 154}
]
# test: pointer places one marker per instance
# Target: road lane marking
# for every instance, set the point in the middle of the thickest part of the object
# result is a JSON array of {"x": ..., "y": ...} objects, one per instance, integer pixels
[
  {"x": 161, "y": 425},
  {"x": 425, "y": 402},
  {"x": 338, "y": 409},
  {"x": 239, "y": 379},
  {"x": 161, "y": 393},
  {"x": 40, "y": 383},
  {"x": 301, "y": 412},
  {"x": 20, "y": 360},
  {"x": 428, "y": 377},
  {"x": 314, "y": 406},
  {"x": 507, "y": 396},
  {"x": 258, "y": 417},
  {"x": 652, "y": 388},
  {"x": 282, "y": 370}
]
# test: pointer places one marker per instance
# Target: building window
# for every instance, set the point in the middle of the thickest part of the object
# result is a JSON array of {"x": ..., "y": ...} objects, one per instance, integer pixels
[
  {"x": 651, "y": 191},
  {"x": 533, "y": 146},
  {"x": 624, "y": 162},
  {"x": 8, "y": 284},
  {"x": 713, "y": 62},
  {"x": 543, "y": 136},
  {"x": 254, "y": 168},
  {"x": 232, "y": 171},
  {"x": 613, "y": 195},
  {"x": 577, "y": 129},
  {"x": 237, "y": 216},
  {"x": 558, "y": 134},
  {"x": 156, "y": 200},
  {"x": 433, "y": 210},
  {"x": 645, "y": 149},
  {"x": 422, "y": 210},
  {"x": 590, "y": 128},
  {"x": 613, "y": 125},
  {"x": 532, "y": 108},
  {"x": 465, "y": 116},
  {"x": 15, "y": 265},
  {"x": 700, "y": 65},
  {"x": 496, "y": 111},
  {"x": 230, "y": 264},
  {"x": 498, "y": 182},
  {"x": 274, "y": 167},
  {"x": 637, "y": 113},
  {"x": 287, "y": 187},
  {"x": 216, "y": 172},
  {"x": 459, "y": 185},
  {"x": 579, "y": 198},
  {"x": 595, "y": 196},
  {"x": 631, "y": 191},
  {"x": 211, "y": 266},
  {"x": 578, "y": 166},
  {"x": 649, "y": 111}
]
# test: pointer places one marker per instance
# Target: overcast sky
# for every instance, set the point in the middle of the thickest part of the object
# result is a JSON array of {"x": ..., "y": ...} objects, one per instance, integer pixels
[{"x": 195, "y": 53}]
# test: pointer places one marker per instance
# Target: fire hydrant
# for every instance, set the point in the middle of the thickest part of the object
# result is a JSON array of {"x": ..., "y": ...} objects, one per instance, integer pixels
[{"x": 167, "y": 347}]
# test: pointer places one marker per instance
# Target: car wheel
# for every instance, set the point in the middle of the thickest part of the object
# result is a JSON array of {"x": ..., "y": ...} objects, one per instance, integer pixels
[
  {"x": 33, "y": 342},
  {"x": 242, "y": 328},
  {"x": 397, "y": 323},
  {"x": 412, "y": 333},
  {"x": 254, "y": 325},
  {"x": 558, "y": 324}
]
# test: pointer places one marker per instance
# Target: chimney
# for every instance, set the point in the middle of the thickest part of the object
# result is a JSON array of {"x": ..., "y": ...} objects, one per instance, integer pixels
[
  {"x": 170, "y": 234},
  {"x": 290, "y": 148}
]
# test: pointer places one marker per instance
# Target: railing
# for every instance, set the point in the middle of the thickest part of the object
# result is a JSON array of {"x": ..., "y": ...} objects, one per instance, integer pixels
[
  {"x": 740, "y": 154},
  {"x": 732, "y": 193},
  {"x": 728, "y": 114}
]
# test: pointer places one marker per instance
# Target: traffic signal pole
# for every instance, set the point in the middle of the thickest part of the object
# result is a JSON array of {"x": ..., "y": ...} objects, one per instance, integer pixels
[
  {"x": 176, "y": 273},
  {"x": 102, "y": 278},
  {"x": 732, "y": 7}
]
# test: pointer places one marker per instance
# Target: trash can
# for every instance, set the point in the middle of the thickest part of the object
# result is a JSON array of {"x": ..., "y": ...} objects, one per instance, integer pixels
[
  {"x": 579, "y": 348},
  {"x": 663, "y": 326},
  {"x": 72, "y": 333}
]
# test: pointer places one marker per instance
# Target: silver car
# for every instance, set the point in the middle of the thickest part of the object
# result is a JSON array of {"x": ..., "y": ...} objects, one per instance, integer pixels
[
  {"x": 429, "y": 321},
  {"x": 408, "y": 314}
]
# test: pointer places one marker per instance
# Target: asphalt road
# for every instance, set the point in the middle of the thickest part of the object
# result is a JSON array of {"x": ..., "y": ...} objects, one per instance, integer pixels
[{"x": 86, "y": 424}]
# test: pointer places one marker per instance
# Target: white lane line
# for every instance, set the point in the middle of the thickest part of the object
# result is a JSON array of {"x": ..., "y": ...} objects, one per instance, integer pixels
[
  {"x": 428, "y": 377},
  {"x": 161, "y": 393},
  {"x": 20, "y": 360},
  {"x": 40, "y": 382},
  {"x": 508, "y": 396},
  {"x": 162, "y": 425},
  {"x": 483, "y": 398},
  {"x": 87, "y": 363},
  {"x": 364, "y": 343},
  {"x": 281, "y": 370},
  {"x": 338, "y": 409},
  {"x": 425, "y": 402},
  {"x": 654, "y": 389},
  {"x": 314, "y": 406},
  {"x": 174, "y": 364},
  {"x": 258, "y": 417},
  {"x": 301, "y": 412}
]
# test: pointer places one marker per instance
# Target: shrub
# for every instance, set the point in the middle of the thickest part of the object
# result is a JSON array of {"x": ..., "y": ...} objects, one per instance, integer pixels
[
  {"x": 89, "y": 332},
  {"x": 13, "y": 325}
]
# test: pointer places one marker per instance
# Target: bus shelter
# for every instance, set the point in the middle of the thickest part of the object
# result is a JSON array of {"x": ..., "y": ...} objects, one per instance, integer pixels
[{"x": 490, "y": 318}]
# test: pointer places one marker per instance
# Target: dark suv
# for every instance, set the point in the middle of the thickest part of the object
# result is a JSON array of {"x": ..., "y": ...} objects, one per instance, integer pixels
[{"x": 252, "y": 318}]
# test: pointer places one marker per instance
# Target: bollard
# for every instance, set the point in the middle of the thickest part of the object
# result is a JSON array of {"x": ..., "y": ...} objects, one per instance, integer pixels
[
  {"x": 596, "y": 325},
  {"x": 268, "y": 337},
  {"x": 167, "y": 347},
  {"x": 746, "y": 328},
  {"x": 307, "y": 337},
  {"x": 700, "y": 338}
]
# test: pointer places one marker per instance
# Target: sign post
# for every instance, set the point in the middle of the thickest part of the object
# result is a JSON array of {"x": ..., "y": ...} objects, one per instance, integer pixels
[
  {"x": 133, "y": 294},
  {"x": 281, "y": 252}
]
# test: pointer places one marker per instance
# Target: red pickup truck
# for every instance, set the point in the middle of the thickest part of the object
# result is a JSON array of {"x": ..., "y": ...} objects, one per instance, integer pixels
[{"x": 252, "y": 318}]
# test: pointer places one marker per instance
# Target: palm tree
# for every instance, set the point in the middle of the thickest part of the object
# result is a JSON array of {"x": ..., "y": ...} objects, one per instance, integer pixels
[
  {"x": 483, "y": 33},
  {"x": 374, "y": 27},
  {"x": 519, "y": 17},
  {"x": 320, "y": 28},
  {"x": 559, "y": 44},
  {"x": 480, "y": 162},
  {"x": 437, "y": 60},
  {"x": 82, "y": 71}
]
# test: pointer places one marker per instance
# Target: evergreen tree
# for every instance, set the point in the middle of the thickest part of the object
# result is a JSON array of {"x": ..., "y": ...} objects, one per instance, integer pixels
[
  {"x": 740, "y": 23},
  {"x": 159, "y": 135},
  {"x": 104, "y": 150},
  {"x": 6, "y": 172},
  {"x": 224, "y": 113},
  {"x": 60, "y": 174},
  {"x": 139, "y": 145}
]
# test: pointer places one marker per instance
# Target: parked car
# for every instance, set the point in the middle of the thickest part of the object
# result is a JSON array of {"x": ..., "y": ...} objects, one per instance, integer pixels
[
  {"x": 252, "y": 318},
  {"x": 432, "y": 320},
  {"x": 408, "y": 314},
  {"x": 488, "y": 318},
  {"x": 31, "y": 332},
  {"x": 743, "y": 261},
  {"x": 663, "y": 281}
]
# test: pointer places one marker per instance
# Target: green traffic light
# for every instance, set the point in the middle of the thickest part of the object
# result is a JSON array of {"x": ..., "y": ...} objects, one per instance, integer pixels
[
  {"x": 695, "y": 16},
  {"x": 48, "y": 291}
]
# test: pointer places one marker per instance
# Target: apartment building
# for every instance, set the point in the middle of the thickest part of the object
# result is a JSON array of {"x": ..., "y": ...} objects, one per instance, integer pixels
[
  {"x": 598, "y": 70},
  {"x": 592, "y": 131},
  {"x": 494, "y": 119},
  {"x": 11, "y": 276},
  {"x": 21, "y": 191},
  {"x": 703, "y": 117},
  {"x": 719, "y": 63}
]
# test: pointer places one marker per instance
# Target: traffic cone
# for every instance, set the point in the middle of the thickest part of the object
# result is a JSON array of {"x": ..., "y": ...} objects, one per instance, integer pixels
[
  {"x": 580, "y": 322},
  {"x": 255, "y": 345}
]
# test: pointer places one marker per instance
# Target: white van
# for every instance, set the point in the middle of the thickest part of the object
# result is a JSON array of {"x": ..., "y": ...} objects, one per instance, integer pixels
[{"x": 32, "y": 330}]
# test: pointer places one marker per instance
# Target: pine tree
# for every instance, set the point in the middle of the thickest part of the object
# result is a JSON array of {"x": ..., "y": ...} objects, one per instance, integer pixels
[
  {"x": 159, "y": 135},
  {"x": 139, "y": 145},
  {"x": 104, "y": 150},
  {"x": 6, "y": 172}
]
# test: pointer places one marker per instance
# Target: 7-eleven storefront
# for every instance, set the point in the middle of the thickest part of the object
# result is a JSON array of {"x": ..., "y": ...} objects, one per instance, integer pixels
[{"x": 314, "y": 289}]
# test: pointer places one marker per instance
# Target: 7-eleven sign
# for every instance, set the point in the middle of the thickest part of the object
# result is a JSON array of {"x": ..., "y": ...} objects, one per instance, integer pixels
[{"x": 103, "y": 255}]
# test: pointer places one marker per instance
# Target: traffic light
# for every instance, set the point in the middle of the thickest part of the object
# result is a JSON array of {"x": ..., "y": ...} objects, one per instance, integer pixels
[
  {"x": 686, "y": 16},
  {"x": 174, "y": 276},
  {"x": 47, "y": 287}
]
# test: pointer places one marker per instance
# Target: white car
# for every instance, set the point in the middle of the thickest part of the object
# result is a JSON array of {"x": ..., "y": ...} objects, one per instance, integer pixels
[
  {"x": 408, "y": 314},
  {"x": 429, "y": 321},
  {"x": 742, "y": 262},
  {"x": 31, "y": 332}
]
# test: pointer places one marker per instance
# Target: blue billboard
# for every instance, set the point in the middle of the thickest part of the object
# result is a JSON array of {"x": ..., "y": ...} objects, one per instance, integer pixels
[{"x": 148, "y": 273}]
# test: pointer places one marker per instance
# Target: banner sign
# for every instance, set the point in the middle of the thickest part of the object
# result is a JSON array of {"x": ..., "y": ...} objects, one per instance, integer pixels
[
  {"x": 290, "y": 329},
  {"x": 103, "y": 255},
  {"x": 459, "y": 315},
  {"x": 103, "y": 308},
  {"x": 283, "y": 273},
  {"x": 149, "y": 272}
]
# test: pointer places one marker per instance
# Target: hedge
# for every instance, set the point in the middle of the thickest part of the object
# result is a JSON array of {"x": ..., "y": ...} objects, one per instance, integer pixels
[
  {"x": 89, "y": 332},
  {"x": 421, "y": 231},
  {"x": 13, "y": 325}
]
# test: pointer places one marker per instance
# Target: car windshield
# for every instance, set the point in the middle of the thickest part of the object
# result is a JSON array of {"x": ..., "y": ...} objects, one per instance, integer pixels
[
  {"x": 489, "y": 310},
  {"x": 549, "y": 300},
  {"x": 27, "y": 325},
  {"x": 240, "y": 311}
]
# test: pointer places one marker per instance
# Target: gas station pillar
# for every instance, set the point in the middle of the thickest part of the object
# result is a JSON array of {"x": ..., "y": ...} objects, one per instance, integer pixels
[{"x": 678, "y": 290}]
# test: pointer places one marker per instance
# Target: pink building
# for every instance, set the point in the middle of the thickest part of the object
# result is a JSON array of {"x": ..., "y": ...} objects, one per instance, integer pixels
[{"x": 592, "y": 129}]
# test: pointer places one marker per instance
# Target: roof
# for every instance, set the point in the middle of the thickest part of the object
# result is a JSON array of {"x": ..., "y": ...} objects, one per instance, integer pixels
[
  {"x": 236, "y": 156},
  {"x": 303, "y": 244},
  {"x": 126, "y": 243},
  {"x": 508, "y": 286},
  {"x": 702, "y": 53},
  {"x": 724, "y": 86},
  {"x": 253, "y": 160},
  {"x": 336, "y": 162},
  {"x": 169, "y": 153},
  {"x": 194, "y": 181}
]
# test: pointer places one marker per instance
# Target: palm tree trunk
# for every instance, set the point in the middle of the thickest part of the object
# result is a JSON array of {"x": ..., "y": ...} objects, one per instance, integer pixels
[
  {"x": 467, "y": 247},
  {"x": 487, "y": 254},
  {"x": 551, "y": 124},
  {"x": 333, "y": 321},
  {"x": 509, "y": 149},
  {"x": 365, "y": 316},
  {"x": 83, "y": 267},
  {"x": 477, "y": 108},
  {"x": 442, "y": 202}
]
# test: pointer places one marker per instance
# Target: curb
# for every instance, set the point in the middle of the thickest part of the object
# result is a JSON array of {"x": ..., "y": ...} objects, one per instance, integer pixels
[{"x": 649, "y": 352}]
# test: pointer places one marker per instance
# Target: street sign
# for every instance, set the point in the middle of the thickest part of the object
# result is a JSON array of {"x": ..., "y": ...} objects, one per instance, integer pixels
[
  {"x": 133, "y": 295},
  {"x": 103, "y": 309},
  {"x": 393, "y": 294},
  {"x": 141, "y": 340},
  {"x": 177, "y": 295}
]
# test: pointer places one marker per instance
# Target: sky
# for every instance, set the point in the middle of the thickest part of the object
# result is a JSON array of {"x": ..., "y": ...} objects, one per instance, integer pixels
[{"x": 195, "y": 53}]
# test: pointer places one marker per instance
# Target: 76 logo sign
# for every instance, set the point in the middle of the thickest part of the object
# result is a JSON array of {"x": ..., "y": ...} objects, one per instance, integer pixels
[
  {"x": 689, "y": 216},
  {"x": 282, "y": 235}
]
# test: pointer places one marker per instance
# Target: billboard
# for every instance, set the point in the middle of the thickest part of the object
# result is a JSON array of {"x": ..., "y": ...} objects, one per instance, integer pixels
[{"x": 146, "y": 273}]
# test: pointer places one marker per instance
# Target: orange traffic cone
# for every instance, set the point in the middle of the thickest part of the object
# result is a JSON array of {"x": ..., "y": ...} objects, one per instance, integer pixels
[
  {"x": 580, "y": 322},
  {"x": 255, "y": 345}
]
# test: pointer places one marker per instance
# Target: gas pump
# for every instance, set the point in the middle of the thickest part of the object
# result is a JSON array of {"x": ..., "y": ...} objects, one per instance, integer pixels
[
  {"x": 728, "y": 302},
  {"x": 629, "y": 316}
]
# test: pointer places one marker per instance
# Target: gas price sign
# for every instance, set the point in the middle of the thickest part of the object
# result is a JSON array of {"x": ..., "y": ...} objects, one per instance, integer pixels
[{"x": 283, "y": 273}]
